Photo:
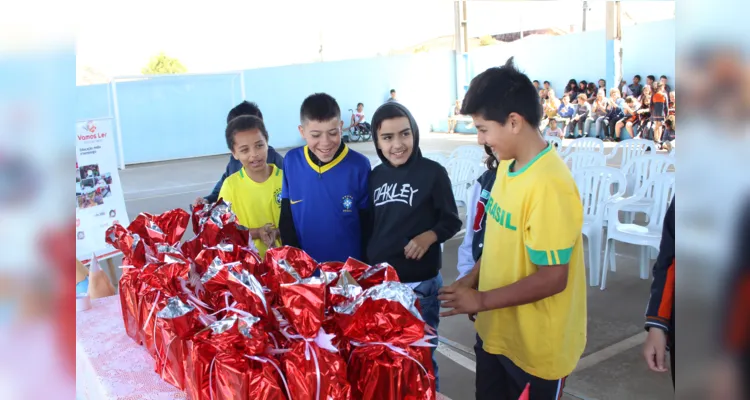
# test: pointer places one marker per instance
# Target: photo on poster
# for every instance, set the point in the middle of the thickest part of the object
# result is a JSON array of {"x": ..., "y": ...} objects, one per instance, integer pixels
[
  {"x": 89, "y": 171},
  {"x": 88, "y": 200}
]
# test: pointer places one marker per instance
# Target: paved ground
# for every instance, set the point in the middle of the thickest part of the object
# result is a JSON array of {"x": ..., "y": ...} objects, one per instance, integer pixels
[{"x": 611, "y": 367}]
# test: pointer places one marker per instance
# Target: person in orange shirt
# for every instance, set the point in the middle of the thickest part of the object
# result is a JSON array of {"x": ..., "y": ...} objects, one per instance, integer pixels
[{"x": 659, "y": 106}]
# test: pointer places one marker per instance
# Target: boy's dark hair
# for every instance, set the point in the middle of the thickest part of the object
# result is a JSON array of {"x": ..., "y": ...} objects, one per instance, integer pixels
[
  {"x": 360, "y": 104},
  {"x": 663, "y": 77},
  {"x": 637, "y": 76},
  {"x": 319, "y": 107},
  {"x": 244, "y": 108},
  {"x": 383, "y": 113},
  {"x": 630, "y": 99},
  {"x": 535, "y": 81},
  {"x": 651, "y": 77},
  {"x": 499, "y": 91},
  {"x": 393, "y": 91},
  {"x": 491, "y": 162},
  {"x": 584, "y": 83},
  {"x": 547, "y": 82},
  {"x": 241, "y": 124},
  {"x": 669, "y": 123}
]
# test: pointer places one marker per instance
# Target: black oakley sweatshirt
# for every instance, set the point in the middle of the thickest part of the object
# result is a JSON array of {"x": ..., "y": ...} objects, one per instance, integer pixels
[{"x": 406, "y": 201}]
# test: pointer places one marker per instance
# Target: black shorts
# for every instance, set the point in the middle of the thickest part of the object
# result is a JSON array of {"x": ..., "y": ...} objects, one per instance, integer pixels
[
  {"x": 497, "y": 378},
  {"x": 659, "y": 111}
]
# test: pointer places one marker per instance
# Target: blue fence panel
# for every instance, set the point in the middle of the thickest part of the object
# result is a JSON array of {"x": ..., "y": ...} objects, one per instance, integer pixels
[
  {"x": 423, "y": 82},
  {"x": 649, "y": 49},
  {"x": 175, "y": 117}
]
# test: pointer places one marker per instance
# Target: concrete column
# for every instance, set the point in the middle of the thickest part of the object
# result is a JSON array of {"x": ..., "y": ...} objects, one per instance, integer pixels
[
  {"x": 458, "y": 53},
  {"x": 613, "y": 53}
]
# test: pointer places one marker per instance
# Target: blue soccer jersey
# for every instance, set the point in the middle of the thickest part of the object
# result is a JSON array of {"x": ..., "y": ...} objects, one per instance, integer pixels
[{"x": 326, "y": 202}]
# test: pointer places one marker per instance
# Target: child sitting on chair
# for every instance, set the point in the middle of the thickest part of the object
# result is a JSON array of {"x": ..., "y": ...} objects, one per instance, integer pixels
[{"x": 358, "y": 117}]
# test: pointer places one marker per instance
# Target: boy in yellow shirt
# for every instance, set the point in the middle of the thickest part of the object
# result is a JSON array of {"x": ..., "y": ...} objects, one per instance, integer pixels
[
  {"x": 254, "y": 191},
  {"x": 528, "y": 289}
]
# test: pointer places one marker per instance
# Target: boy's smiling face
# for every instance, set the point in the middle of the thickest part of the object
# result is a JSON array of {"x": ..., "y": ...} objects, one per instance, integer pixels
[
  {"x": 251, "y": 149},
  {"x": 396, "y": 140},
  {"x": 323, "y": 138},
  {"x": 500, "y": 138}
]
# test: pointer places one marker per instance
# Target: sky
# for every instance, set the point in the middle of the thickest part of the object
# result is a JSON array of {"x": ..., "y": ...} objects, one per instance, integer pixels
[{"x": 118, "y": 38}]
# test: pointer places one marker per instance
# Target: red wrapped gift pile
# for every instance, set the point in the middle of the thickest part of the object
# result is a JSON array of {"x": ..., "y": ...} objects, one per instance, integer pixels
[{"x": 220, "y": 323}]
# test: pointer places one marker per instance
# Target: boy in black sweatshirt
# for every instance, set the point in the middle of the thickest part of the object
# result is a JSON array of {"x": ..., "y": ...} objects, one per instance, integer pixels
[{"x": 413, "y": 209}]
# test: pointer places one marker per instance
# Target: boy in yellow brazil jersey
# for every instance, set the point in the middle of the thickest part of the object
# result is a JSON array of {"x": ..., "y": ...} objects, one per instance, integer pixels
[
  {"x": 528, "y": 289},
  {"x": 255, "y": 190}
]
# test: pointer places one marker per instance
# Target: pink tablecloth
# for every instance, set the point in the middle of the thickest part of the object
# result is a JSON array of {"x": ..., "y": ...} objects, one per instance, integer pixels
[{"x": 109, "y": 364}]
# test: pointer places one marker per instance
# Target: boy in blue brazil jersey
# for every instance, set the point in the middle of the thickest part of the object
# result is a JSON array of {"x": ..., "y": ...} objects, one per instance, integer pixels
[{"x": 324, "y": 197}]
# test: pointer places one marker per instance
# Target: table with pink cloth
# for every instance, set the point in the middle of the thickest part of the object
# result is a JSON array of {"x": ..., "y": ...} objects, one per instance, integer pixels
[{"x": 109, "y": 364}]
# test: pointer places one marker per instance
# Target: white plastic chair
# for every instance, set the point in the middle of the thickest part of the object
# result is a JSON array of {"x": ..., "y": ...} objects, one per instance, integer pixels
[
  {"x": 439, "y": 158},
  {"x": 598, "y": 186},
  {"x": 659, "y": 191},
  {"x": 583, "y": 159},
  {"x": 469, "y": 152},
  {"x": 640, "y": 170},
  {"x": 556, "y": 141},
  {"x": 630, "y": 149},
  {"x": 462, "y": 173},
  {"x": 585, "y": 144}
]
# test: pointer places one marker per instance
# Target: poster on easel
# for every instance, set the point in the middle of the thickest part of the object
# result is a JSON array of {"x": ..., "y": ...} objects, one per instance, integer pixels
[{"x": 100, "y": 202}]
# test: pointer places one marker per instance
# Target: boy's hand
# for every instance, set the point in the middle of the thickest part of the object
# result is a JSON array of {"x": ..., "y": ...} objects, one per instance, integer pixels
[
  {"x": 267, "y": 235},
  {"x": 655, "y": 349},
  {"x": 462, "y": 300},
  {"x": 198, "y": 201},
  {"x": 416, "y": 247}
]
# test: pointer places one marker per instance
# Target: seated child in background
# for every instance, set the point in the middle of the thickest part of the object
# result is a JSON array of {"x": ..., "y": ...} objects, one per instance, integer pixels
[
  {"x": 358, "y": 117},
  {"x": 255, "y": 190},
  {"x": 579, "y": 119},
  {"x": 324, "y": 199},
  {"x": 413, "y": 209},
  {"x": 565, "y": 111},
  {"x": 553, "y": 130}
]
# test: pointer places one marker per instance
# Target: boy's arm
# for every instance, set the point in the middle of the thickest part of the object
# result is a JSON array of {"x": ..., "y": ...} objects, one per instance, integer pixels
[
  {"x": 287, "y": 230},
  {"x": 466, "y": 251},
  {"x": 449, "y": 222},
  {"x": 659, "y": 309},
  {"x": 214, "y": 196},
  {"x": 736, "y": 316}
]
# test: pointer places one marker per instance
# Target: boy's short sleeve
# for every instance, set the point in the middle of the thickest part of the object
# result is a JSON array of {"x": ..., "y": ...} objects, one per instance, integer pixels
[
  {"x": 554, "y": 222},
  {"x": 364, "y": 186}
]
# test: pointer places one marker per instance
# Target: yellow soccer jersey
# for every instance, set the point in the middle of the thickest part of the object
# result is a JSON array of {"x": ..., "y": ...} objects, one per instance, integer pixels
[
  {"x": 255, "y": 204},
  {"x": 534, "y": 219}
]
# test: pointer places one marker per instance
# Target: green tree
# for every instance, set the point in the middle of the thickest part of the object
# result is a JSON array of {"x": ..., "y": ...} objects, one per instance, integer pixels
[
  {"x": 163, "y": 64},
  {"x": 487, "y": 40}
]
